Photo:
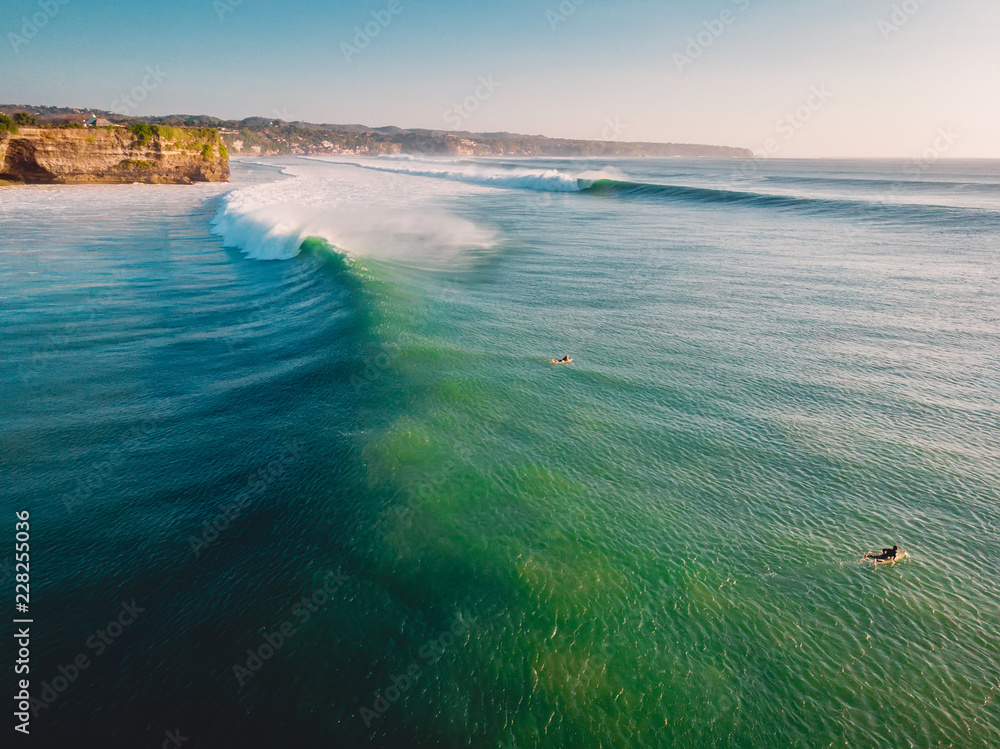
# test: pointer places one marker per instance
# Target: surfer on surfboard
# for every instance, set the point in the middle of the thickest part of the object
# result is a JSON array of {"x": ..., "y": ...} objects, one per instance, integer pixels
[
  {"x": 887, "y": 555},
  {"x": 565, "y": 360}
]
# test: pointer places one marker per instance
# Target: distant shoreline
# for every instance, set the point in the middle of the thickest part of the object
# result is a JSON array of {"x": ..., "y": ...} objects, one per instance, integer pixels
[{"x": 260, "y": 136}]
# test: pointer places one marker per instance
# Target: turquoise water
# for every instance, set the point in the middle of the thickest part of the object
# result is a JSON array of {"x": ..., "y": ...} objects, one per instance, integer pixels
[{"x": 778, "y": 367}]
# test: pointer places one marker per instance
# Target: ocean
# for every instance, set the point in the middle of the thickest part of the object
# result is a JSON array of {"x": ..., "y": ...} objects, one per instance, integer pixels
[{"x": 300, "y": 473}]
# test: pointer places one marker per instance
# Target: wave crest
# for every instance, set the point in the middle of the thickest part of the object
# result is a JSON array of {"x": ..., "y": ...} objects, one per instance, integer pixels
[{"x": 272, "y": 220}]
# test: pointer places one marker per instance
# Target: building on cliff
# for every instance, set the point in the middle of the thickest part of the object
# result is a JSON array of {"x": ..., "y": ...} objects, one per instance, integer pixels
[{"x": 95, "y": 121}]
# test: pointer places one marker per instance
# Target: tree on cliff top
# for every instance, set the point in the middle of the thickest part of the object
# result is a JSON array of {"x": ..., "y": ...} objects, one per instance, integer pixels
[
  {"x": 142, "y": 132},
  {"x": 25, "y": 119},
  {"x": 7, "y": 124}
]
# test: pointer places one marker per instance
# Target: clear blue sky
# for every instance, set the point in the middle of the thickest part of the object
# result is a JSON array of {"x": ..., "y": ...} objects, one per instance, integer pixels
[{"x": 594, "y": 69}]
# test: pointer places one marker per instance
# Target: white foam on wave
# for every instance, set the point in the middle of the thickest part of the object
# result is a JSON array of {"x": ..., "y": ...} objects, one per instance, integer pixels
[
  {"x": 356, "y": 212},
  {"x": 489, "y": 175}
]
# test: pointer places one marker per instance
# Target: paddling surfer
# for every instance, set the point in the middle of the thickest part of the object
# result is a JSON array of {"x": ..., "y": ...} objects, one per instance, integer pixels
[{"x": 885, "y": 556}]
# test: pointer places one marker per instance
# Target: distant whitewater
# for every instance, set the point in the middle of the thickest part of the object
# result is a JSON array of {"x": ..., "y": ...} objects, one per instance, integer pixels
[{"x": 495, "y": 173}]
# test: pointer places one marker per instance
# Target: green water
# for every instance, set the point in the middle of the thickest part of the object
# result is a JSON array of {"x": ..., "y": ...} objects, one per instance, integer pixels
[{"x": 659, "y": 545}]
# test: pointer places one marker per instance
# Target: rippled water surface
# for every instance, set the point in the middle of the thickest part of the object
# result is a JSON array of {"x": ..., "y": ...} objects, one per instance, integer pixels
[{"x": 213, "y": 397}]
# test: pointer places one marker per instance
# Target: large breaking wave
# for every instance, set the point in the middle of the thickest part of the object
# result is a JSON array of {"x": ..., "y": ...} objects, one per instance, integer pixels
[{"x": 358, "y": 217}]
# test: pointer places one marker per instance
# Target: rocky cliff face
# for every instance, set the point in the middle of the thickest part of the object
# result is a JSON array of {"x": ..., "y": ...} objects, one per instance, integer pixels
[{"x": 113, "y": 155}]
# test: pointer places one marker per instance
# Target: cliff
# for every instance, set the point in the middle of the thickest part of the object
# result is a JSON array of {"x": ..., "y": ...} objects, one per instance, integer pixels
[{"x": 160, "y": 155}]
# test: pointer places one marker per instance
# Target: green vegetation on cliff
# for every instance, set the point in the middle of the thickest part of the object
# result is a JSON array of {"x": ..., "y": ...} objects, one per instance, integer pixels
[{"x": 142, "y": 132}]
